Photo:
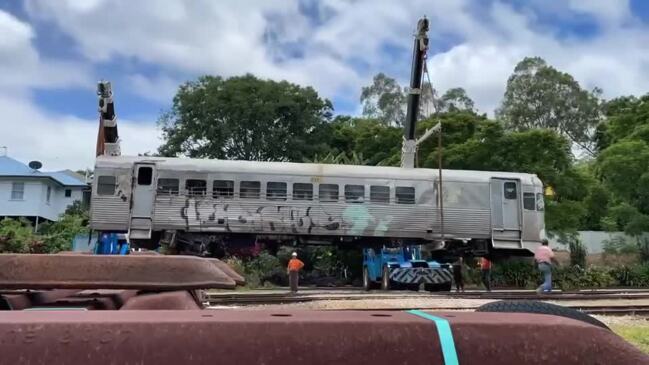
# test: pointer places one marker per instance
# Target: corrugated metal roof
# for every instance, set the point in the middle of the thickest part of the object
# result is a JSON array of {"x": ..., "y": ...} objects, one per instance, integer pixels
[
  {"x": 11, "y": 167},
  {"x": 309, "y": 169}
]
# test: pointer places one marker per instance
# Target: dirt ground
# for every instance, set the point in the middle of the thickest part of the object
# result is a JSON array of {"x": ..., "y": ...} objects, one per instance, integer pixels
[{"x": 631, "y": 328}]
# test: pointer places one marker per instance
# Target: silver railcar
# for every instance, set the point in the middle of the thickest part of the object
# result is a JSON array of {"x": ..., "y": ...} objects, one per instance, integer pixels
[{"x": 203, "y": 201}]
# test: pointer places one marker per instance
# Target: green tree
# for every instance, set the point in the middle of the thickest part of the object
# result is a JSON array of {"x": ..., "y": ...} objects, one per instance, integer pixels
[
  {"x": 621, "y": 166},
  {"x": 384, "y": 100},
  {"x": 245, "y": 118},
  {"x": 540, "y": 96},
  {"x": 455, "y": 99}
]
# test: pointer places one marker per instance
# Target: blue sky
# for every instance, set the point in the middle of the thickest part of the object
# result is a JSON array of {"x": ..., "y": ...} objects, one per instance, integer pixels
[{"x": 52, "y": 54}]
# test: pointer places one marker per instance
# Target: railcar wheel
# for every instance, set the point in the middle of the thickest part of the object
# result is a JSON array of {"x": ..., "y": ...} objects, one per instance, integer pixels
[
  {"x": 531, "y": 306},
  {"x": 385, "y": 279}
]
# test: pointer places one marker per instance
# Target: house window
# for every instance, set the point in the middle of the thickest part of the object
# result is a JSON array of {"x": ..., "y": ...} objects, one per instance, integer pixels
[
  {"x": 68, "y": 193},
  {"x": 328, "y": 192},
  {"x": 379, "y": 194},
  {"x": 196, "y": 187},
  {"x": 49, "y": 194},
  {"x": 354, "y": 193},
  {"x": 405, "y": 195},
  {"x": 168, "y": 186},
  {"x": 302, "y": 191},
  {"x": 223, "y": 188},
  {"x": 529, "y": 201},
  {"x": 106, "y": 185},
  {"x": 249, "y": 189},
  {"x": 276, "y": 190},
  {"x": 17, "y": 191}
]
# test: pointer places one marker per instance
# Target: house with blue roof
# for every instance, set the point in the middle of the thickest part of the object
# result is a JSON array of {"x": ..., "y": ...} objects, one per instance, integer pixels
[{"x": 35, "y": 195}]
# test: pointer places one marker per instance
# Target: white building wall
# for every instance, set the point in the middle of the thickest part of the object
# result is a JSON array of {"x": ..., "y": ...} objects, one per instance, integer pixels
[
  {"x": 30, "y": 205},
  {"x": 593, "y": 240},
  {"x": 34, "y": 202}
]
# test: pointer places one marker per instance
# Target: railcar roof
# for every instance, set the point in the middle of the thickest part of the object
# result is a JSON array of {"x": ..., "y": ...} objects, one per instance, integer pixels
[{"x": 309, "y": 169}]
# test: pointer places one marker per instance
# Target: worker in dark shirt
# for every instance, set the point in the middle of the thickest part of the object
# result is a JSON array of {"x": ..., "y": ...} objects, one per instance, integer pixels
[
  {"x": 485, "y": 272},
  {"x": 457, "y": 274}
]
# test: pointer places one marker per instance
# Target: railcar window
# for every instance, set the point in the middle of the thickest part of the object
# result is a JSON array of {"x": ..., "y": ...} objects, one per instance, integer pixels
[
  {"x": 249, "y": 189},
  {"x": 405, "y": 194},
  {"x": 529, "y": 201},
  {"x": 168, "y": 186},
  {"x": 276, "y": 190},
  {"x": 144, "y": 175},
  {"x": 379, "y": 194},
  {"x": 354, "y": 193},
  {"x": 328, "y": 192},
  {"x": 510, "y": 190},
  {"x": 196, "y": 187},
  {"x": 302, "y": 191},
  {"x": 223, "y": 189},
  {"x": 106, "y": 185},
  {"x": 540, "y": 203}
]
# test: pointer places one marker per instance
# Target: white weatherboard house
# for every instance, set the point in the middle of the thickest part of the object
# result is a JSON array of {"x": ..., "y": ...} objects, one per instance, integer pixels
[{"x": 36, "y": 195}]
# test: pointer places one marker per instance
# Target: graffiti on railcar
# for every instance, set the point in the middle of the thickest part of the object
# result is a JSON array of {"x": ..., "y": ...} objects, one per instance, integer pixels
[{"x": 281, "y": 219}]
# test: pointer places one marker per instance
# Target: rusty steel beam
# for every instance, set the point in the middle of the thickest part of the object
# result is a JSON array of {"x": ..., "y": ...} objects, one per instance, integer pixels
[
  {"x": 139, "y": 272},
  {"x": 174, "y": 300},
  {"x": 304, "y": 337},
  {"x": 240, "y": 280}
]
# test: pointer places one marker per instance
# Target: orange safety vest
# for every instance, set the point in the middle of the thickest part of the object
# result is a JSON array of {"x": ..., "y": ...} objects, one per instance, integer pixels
[{"x": 295, "y": 265}]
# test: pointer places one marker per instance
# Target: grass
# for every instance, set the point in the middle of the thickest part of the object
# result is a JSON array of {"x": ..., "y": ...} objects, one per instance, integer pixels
[{"x": 637, "y": 335}]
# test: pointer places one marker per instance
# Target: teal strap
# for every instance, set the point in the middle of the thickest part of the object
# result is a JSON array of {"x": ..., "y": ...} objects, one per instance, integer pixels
[{"x": 445, "y": 336}]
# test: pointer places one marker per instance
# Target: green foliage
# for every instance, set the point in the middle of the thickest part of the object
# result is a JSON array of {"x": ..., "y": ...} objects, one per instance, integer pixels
[
  {"x": 621, "y": 166},
  {"x": 576, "y": 277},
  {"x": 57, "y": 236},
  {"x": 539, "y": 96},
  {"x": 577, "y": 252},
  {"x": 384, "y": 100},
  {"x": 16, "y": 236},
  {"x": 634, "y": 276},
  {"x": 245, "y": 118},
  {"x": 455, "y": 99}
]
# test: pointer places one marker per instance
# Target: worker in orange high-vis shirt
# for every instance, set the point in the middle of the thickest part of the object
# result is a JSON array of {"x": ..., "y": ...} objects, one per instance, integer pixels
[{"x": 293, "y": 270}]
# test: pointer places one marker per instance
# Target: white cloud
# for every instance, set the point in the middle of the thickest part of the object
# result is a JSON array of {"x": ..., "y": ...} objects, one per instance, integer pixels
[
  {"x": 159, "y": 88},
  {"x": 21, "y": 66},
  {"x": 231, "y": 38},
  {"x": 63, "y": 141}
]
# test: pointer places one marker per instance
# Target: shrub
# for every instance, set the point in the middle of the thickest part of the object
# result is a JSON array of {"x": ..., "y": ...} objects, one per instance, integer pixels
[
  {"x": 635, "y": 275},
  {"x": 16, "y": 235}
]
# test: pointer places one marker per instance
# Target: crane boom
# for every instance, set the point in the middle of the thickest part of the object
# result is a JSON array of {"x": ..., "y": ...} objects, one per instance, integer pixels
[
  {"x": 414, "y": 95},
  {"x": 107, "y": 138}
]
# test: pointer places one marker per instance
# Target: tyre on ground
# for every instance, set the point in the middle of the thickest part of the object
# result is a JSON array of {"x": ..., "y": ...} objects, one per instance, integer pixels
[
  {"x": 385, "y": 278},
  {"x": 535, "y": 307}
]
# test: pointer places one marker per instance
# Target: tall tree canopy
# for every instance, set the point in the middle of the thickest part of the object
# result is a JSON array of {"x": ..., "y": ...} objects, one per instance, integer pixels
[
  {"x": 245, "y": 118},
  {"x": 386, "y": 101},
  {"x": 540, "y": 96},
  {"x": 455, "y": 99}
]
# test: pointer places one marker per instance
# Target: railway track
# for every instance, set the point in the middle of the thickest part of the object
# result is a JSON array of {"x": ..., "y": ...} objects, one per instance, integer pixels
[{"x": 618, "y": 302}]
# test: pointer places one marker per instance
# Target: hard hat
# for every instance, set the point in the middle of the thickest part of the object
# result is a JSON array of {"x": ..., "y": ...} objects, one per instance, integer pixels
[{"x": 294, "y": 254}]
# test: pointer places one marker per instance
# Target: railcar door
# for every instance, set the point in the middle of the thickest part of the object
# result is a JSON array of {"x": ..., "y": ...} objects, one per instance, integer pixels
[
  {"x": 144, "y": 189},
  {"x": 505, "y": 213}
]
